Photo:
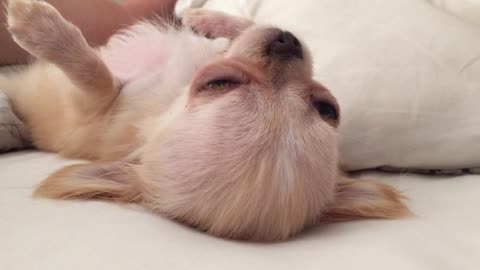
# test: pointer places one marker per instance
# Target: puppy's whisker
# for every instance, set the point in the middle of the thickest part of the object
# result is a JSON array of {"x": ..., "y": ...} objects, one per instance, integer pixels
[{"x": 320, "y": 76}]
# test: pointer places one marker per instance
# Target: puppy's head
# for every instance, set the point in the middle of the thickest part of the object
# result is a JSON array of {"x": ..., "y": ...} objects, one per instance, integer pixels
[
  {"x": 253, "y": 154},
  {"x": 250, "y": 154}
]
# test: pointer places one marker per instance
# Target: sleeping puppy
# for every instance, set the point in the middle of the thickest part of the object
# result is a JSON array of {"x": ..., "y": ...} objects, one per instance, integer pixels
[{"x": 230, "y": 135}]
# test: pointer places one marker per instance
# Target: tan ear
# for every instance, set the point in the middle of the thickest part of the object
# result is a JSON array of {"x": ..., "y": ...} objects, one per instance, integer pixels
[
  {"x": 361, "y": 199},
  {"x": 111, "y": 181}
]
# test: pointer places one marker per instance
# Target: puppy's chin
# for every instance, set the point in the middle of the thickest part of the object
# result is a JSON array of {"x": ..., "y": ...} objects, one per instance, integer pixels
[{"x": 234, "y": 172}]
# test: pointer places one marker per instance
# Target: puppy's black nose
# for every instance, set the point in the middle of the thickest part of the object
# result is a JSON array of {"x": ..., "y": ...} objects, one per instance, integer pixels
[{"x": 286, "y": 45}]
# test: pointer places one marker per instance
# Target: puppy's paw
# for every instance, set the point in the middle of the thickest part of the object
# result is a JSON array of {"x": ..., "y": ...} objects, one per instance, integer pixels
[
  {"x": 211, "y": 24},
  {"x": 214, "y": 24},
  {"x": 28, "y": 16},
  {"x": 199, "y": 20},
  {"x": 37, "y": 27}
]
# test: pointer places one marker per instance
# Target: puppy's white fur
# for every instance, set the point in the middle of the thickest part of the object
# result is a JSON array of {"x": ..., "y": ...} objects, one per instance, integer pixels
[{"x": 251, "y": 159}]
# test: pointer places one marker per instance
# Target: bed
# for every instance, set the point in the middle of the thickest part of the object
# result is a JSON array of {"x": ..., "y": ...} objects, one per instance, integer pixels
[
  {"x": 443, "y": 234},
  {"x": 42, "y": 234}
]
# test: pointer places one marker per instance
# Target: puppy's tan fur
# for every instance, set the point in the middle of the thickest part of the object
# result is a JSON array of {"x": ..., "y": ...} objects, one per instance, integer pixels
[{"x": 253, "y": 160}]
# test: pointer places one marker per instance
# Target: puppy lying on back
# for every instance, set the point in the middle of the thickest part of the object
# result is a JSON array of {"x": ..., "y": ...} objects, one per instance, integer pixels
[{"x": 234, "y": 138}]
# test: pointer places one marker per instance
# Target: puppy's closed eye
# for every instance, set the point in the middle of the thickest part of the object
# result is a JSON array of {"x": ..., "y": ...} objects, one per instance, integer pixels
[
  {"x": 220, "y": 77},
  {"x": 221, "y": 84}
]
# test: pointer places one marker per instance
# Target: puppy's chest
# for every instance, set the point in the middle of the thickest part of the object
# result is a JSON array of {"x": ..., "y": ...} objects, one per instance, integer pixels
[{"x": 154, "y": 63}]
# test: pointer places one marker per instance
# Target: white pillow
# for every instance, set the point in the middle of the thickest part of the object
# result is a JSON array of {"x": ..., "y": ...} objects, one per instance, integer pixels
[
  {"x": 406, "y": 74},
  {"x": 468, "y": 10}
]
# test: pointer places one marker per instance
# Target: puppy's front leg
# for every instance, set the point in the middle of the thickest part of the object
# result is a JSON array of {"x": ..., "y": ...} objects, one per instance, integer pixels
[
  {"x": 40, "y": 29},
  {"x": 215, "y": 24}
]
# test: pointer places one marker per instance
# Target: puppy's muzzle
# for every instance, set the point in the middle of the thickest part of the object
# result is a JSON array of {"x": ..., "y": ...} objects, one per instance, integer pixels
[{"x": 285, "y": 45}]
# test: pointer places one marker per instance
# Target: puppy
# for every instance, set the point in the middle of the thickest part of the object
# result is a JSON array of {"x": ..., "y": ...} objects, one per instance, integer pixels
[{"x": 230, "y": 135}]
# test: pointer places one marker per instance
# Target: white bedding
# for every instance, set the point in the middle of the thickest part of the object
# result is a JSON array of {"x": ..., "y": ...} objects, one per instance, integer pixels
[{"x": 51, "y": 235}]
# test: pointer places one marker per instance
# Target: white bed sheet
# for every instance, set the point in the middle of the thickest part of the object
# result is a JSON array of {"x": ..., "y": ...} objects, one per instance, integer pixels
[
  {"x": 43, "y": 234},
  {"x": 50, "y": 235}
]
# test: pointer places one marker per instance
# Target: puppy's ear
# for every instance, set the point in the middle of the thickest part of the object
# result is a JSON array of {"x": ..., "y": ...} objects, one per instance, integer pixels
[
  {"x": 360, "y": 199},
  {"x": 116, "y": 181}
]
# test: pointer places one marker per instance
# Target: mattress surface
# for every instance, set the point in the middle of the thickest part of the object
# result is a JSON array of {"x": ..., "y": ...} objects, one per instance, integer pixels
[{"x": 46, "y": 234}]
